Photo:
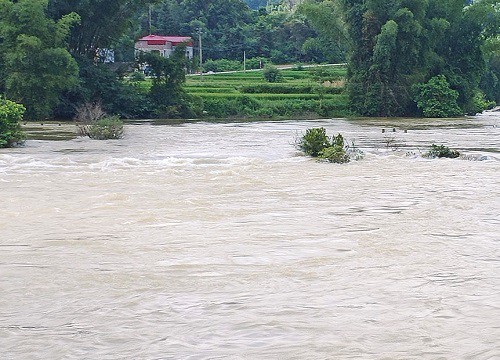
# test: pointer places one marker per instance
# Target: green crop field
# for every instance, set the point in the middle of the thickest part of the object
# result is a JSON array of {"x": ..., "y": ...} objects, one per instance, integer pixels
[
  {"x": 315, "y": 91},
  {"x": 302, "y": 92}
]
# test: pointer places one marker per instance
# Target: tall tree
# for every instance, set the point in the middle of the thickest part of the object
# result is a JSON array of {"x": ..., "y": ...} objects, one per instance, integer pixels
[
  {"x": 328, "y": 19},
  {"x": 36, "y": 67},
  {"x": 487, "y": 14},
  {"x": 396, "y": 44},
  {"x": 102, "y": 26},
  {"x": 167, "y": 94},
  {"x": 103, "y": 22}
]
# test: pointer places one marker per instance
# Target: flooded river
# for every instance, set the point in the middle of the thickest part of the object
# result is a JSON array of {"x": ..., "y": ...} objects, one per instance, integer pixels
[{"x": 221, "y": 241}]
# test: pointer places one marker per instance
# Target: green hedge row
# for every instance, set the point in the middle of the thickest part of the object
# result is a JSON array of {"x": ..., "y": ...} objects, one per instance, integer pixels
[
  {"x": 233, "y": 76},
  {"x": 213, "y": 90},
  {"x": 289, "y": 89},
  {"x": 207, "y": 85},
  {"x": 269, "y": 96},
  {"x": 287, "y": 74}
]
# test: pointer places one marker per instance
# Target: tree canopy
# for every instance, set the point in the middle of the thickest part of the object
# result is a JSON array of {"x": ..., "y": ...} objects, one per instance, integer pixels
[
  {"x": 396, "y": 44},
  {"x": 36, "y": 65},
  {"x": 102, "y": 23}
]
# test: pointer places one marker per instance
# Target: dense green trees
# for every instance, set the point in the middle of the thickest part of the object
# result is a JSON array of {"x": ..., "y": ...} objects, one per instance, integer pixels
[
  {"x": 436, "y": 99},
  {"x": 487, "y": 14},
  {"x": 102, "y": 26},
  {"x": 222, "y": 23},
  {"x": 256, "y": 4},
  {"x": 48, "y": 52},
  {"x": 102, "y": 23},
  {"x": 36, "y": 66},
  {"x": 397, "y": 44},
  {"x": 326, "y": 18},
  {"x": 229, "y": 27}
]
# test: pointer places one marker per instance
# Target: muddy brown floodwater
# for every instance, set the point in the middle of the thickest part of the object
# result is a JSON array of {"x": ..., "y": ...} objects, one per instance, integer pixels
[{"x": 221, "y": 241}]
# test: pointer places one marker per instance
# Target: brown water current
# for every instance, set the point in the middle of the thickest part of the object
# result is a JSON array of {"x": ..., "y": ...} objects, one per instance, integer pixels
[{"x": 221, "y": 241}]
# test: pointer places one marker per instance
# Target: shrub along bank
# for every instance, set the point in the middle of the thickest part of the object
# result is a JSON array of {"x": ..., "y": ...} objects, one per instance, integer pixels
[{"x": 11, "y": 115}]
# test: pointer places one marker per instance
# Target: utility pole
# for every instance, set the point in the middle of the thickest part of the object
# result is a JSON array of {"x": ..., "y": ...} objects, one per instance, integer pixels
[
  {"x": 149, "y": 19},
  {"x": 201, "y": 51},
  {"x": 244, "y": 60}
]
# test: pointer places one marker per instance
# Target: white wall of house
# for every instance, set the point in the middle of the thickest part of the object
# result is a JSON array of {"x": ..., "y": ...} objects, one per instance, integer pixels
[{"x": 164, "y": 50}]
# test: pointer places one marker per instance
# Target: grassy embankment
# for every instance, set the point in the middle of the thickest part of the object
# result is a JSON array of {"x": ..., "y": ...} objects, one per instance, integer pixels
[{"x": 303, "y": 92}]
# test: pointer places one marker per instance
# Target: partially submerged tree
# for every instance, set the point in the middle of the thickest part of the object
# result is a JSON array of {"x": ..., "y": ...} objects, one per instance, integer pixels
[
  {"x": 92, "y": 121},
  {"x": 316, "y": 143}
]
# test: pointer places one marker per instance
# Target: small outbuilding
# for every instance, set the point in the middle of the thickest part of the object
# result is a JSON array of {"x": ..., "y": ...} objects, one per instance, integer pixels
[{"x": 164, "y": 45}]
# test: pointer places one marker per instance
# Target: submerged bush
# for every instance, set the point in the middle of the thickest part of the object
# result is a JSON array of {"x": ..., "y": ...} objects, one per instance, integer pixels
[
  {"x": 106, "y": 128},
  {"x": 336, "y": 153},
  {"x": 440, "y": 151},
  {"x": 88, "y": 113},
  {"x": 11, "y": 114},
  {"x": 93, "y": 122},
  {"x": 314, "y": 141}
]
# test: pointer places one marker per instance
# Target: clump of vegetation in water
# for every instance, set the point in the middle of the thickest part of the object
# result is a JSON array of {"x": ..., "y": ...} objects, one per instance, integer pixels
[
  {"x": 11, "y": 115},
  {"x": 316, "y": 143},
  {"x": 93, "y": 122},
  {"x": 336, "y": 152},
  {"x": 106, "y": 128},
  {"x": 440, "y": 151}
]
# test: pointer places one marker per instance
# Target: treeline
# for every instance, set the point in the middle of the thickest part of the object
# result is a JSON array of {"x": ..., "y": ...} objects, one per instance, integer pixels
[
  {"x": 439, "y": 57},
  {"x": 406, "y": 57},
  {"x": 281, "y": 32},
  {"x": 48, "y": 55}
]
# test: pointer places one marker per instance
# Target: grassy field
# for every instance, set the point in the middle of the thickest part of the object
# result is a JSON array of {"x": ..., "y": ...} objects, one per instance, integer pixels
[{"x": 303, "y": 92}]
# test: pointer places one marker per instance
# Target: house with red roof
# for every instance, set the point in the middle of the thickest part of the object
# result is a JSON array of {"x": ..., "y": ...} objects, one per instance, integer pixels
[{"x": 164, "y": 45}]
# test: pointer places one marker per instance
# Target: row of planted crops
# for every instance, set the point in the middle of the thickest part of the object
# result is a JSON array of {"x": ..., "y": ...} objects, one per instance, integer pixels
[{"x": 297, "y": 92}]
